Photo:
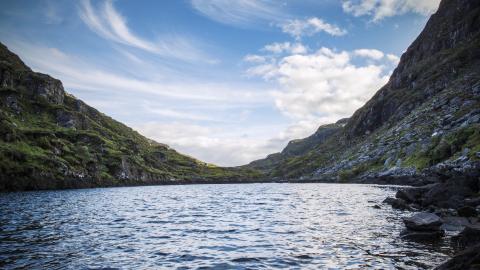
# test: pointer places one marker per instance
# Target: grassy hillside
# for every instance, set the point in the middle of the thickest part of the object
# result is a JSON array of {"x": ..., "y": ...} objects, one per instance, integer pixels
[{"x": 50, "y": 139}]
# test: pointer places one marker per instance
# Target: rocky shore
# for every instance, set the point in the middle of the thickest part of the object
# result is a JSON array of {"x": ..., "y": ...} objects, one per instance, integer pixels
[{"x": 446, "y": 209}]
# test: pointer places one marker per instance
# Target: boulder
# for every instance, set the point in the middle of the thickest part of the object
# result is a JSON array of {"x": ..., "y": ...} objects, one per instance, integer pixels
[
  {"x": 450, "y": 193},
  {"x": 397, "y": 203},
  {"x": 408, "y": 195},
  {"x": 423, "y": 222},
  {"x": 454, "y": 223},
  {"x": 414, "y": 194}
]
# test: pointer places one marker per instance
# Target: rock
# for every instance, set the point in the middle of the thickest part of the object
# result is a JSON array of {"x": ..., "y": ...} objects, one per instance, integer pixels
[
  {"x": 406, "y": 195},
  {"x": 450, "y": 193},
  {"x": 466, "y": 260},
  {"x": 412, "y": 194},
  {"x": 421, "y": 236},
  {"x": 397, "y": 203},
  {"x": 451, "y": 223},
  {"x": 46, "y": 87},
  {"x": 398, "y": 171},
  {"x": 423, "y": 222},
  {"x": 376, "y": 206},
  {"x": 12, "y": 103},
  {"x": 470, "y": 236},
  {"x": 65, "y": 119},
  {"x": 467, "y": 211}
]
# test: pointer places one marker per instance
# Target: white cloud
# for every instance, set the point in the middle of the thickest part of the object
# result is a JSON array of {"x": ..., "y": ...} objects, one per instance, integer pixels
[
  {"x": 324, "y": 86},
  {"x": 369, "y": 53},
  {"x": 285, "y": 47},
  {"x": 108, "y": 23},
  {"x": 226, "y": 147},
  {"x": 380, "y": 9},
  {"x": 253, "y": 58},
  {"x": 298, "y": 28},
  {"x": 393, "y": 58},
  {"x": 239, "y": 12},
  {"x": 211, "y": 144}
]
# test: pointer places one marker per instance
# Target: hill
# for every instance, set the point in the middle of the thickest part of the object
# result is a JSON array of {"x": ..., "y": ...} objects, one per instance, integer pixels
[{"x": 50, "y": 139}]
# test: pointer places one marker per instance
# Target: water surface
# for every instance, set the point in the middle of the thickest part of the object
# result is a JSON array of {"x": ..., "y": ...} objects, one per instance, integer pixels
[{"x": 250, "y": 226}]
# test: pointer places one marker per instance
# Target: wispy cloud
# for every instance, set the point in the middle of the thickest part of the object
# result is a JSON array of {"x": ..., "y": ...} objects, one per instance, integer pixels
[
  {"x": 239, "y": 12},
  {"x": 380, "y": 9},
  {"x": 308, "y": 27},
  {"x": 108, "y": 23},
  {"x": 51, "y": 13},
  {"x": 78, "y": 74}
]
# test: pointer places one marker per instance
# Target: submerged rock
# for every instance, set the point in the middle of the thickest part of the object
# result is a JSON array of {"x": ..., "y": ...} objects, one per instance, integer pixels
[{"x": 421, "y": 235}]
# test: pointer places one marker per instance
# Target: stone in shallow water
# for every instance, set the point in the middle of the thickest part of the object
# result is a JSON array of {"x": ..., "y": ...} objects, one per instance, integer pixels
[
  {"x": 423, "y": 222},
  {"x": 422, "y": 236},
  {"x": 453, "y": 223},
  {"x": 397, "y": 203}
]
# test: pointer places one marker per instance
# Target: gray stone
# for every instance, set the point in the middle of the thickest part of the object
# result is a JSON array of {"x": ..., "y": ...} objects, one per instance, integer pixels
[
  {"x": 423, "y": 222},
  {"x": 397, "y": 203}
]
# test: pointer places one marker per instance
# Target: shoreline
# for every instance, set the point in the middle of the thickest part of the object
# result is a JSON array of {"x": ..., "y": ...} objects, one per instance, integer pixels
[{"x": 372, "y": 181}]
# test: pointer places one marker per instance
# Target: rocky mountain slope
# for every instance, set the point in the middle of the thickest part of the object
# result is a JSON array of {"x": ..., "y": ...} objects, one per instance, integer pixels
[
  {"x": 50, "y": 139},
  {"x": 425, "y": 121}
]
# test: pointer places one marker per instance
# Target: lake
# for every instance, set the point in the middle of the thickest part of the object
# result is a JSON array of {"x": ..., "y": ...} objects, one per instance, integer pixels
[{"x": 238, "y": 226}]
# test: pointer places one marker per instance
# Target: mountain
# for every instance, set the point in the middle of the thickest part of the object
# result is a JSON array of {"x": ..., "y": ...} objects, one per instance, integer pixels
[
  {"x": 50, "y": 139},
  {"x": 424, "y": 121}
]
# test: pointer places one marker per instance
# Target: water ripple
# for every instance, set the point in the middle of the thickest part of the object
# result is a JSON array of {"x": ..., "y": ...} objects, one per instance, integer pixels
[{"x": 251, "y": 226}]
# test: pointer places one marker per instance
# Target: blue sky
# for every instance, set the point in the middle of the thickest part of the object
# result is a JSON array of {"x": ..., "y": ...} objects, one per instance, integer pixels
[{"x": 224, "y": 81}]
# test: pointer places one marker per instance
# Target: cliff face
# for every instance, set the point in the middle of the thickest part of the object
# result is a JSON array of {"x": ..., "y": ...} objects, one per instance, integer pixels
[
  {"x": 50, "y": 139},
  {"x": 426, "y": 68},
  {"x": 424, "y": 121}
]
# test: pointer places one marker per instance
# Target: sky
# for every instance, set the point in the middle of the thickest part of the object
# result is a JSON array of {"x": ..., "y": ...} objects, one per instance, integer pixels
[{"x": 224, "y": 81}]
